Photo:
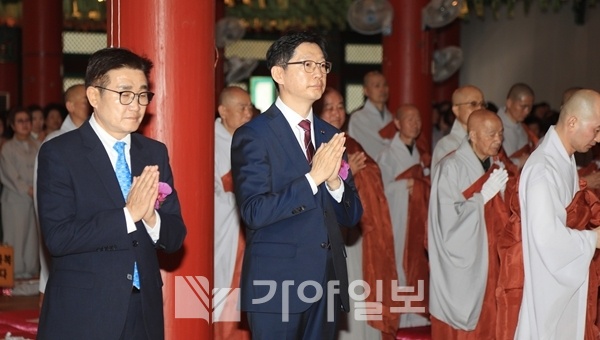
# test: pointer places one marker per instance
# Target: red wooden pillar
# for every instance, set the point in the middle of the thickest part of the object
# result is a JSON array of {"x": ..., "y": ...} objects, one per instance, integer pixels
[
  {"x": 219, "y": 71},
  {"x": 179, "y": 38},
  {"x": 10, "y": 46},
  {"x": 9, "y": 81},
  {"x": 407, "y": 63},
  {"x": 42, "y": 51},
  {"x": 447, "y": 36}
]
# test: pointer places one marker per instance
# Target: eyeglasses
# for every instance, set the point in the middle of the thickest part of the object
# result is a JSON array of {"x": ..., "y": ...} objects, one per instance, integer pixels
[
  {"x": 481, "y": 105},
  {"x": 310, "y": 66},
  {"x": 127, "y": 97}
]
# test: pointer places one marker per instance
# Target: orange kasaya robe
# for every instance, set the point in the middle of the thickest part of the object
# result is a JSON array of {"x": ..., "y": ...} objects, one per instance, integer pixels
[
  {"x": 230, "y": 330},
  {"x": 582, "y": 213},
  {"x": 378, "y": 241},
  {"x": 529, "y": 147},
  {"x": 416, "y": 261},
  {"x": 496, "y": 217}
]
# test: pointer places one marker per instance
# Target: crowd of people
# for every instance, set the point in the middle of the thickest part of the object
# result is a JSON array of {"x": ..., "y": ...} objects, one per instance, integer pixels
[
  {"x": 482, "y": 227},
  {"x": 26, "y": 129},
  {"x": 495, "y": 230}
]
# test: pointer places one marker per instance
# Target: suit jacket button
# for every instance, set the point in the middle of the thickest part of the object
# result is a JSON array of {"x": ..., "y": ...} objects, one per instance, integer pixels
[
  {"x": 302, "y": 208},
  {"x": 323, "y": 245},
  {"x": 347, "y": 204},
  {"x": 135, "y": 243},
  {"x": 129, "y": 277},
  {"x": 325, "y": 213}
]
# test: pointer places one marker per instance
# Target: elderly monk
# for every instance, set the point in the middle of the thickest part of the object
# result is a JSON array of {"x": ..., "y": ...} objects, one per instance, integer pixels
[
  {"x": 370, "y": 247},
  {"x": 404, "y": 172},
  {"x": 465, "y": 100},
  {"x": 519, "y": 140},
  {"x": 365, "y": 123},
  {"x": 235, "y": 109},
  {"x": 557, "y": 258},
  {"x": 466, "y": 212}
]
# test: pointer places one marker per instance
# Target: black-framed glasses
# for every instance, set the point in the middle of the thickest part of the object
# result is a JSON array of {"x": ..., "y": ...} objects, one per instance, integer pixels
[
  {"x": 481, "y": 105},
  {"x": 127, "y": 97},
  {"x": 310, "y": 66}
]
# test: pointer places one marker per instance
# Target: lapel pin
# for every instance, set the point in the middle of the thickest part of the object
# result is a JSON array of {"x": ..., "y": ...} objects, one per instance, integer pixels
[{"x": 322, "y": 132}]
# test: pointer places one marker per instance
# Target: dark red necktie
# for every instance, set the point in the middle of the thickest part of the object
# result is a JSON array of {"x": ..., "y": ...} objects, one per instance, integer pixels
[{"x": 308, "y": 145}]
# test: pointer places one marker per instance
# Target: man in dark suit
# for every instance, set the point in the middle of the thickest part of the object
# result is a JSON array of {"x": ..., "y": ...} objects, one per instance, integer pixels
[
  {"x": 100, "y": 226},
  {"x": 292, "y": 200}
]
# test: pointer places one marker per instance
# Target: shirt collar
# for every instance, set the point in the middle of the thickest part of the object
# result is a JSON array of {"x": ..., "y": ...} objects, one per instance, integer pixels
[
  {"x": 292, "y": 116},
  {"x": 104, "y": 136}
]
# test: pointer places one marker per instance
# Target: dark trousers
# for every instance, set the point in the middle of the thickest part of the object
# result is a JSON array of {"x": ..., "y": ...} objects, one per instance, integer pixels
[
  {"x": 134, "y": 325},
  {"x": 311, "y": 324}
]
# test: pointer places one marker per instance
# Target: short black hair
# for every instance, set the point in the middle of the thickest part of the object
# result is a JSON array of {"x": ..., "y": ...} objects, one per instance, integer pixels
[
  {"x": 62, "y": 110},
  {"x": 34, "y": 107},
  {"x": 13, "y": 113},
  {"x": 282, "y": 50},
  {"x": 107, "y": 59}
]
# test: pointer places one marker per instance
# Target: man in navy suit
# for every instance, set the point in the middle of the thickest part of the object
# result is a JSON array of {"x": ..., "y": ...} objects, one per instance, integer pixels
[
  {"x": 292, "y": 199},
  {"x": 97, "y": 212}
]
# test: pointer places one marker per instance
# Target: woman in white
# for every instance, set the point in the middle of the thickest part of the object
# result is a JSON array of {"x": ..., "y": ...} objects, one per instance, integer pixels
[{"x": 17, "y": 158}]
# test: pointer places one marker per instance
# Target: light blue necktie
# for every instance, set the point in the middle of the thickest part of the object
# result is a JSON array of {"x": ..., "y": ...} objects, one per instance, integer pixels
[{"x": 124, "y": 178}]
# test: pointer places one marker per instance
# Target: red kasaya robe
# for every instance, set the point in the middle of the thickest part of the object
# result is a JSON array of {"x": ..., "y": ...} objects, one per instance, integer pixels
[
  {"x": 416, "y": 261},
  {"x": 496, "y": 217},
  {"x": 582, "y": 213},
  {"x": 529, "y": 147},
  {"x": 378, "y": 241}
]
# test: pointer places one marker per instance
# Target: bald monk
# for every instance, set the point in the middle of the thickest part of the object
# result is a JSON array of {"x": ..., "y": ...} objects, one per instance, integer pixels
[
  {"x": 557, "y": 259},
  {"x": 402, "y": 171},
  {"x": 370, "y": 246},
  {"x": 365, "y": 123},
  {"x": 519, "y": 141},
  {"x": 465, "y": 100},
  {"x": 466, "y": 212},
  {"x": 588, "y": 163},
  {"x": 235, "y": 109}
]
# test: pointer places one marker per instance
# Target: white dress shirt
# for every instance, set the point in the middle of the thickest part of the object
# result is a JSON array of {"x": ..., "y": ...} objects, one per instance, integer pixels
[
  {"x": 294, "y": 119},
  {"x": 108, "y": 142}
]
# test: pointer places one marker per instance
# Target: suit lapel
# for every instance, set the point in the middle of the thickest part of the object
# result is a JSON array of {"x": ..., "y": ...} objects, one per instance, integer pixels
[
  {"x": 138, "y": 155},
  {"x": 287, "y": 139},
  {"x": 101, "y": 163},
  {"x": 319, "y": 128}
]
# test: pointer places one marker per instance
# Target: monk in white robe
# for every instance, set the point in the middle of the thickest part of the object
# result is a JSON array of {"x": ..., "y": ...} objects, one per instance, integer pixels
[
  {"x": 465, "y": 100},
  {"x": 556, "y": 258},
  {"x": 235, "y": 109},
  {"x": 365, "y": 123},
  {"x": 396, "y": 162},
  {"x": 519, "y": 140},
  {"x": 466, "y": 212}
]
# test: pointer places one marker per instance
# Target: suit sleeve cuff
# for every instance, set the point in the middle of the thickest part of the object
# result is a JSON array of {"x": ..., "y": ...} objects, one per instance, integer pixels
[
  {"x": 312, "y": 183},
  {"x": 129, "y": 220},
  {"x": 154, "y": 232},
  {"x": 338, "y": 193}
]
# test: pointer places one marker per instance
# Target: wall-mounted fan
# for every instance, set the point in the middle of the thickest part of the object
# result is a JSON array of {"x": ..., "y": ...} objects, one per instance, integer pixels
[
  {"x": 228, "y": 31},
  {"x": 446, "y": 62},
  {"x": 439, "y": 13},
  {"x": 237, "y": 69},
  {"x": 371, "y": 16}
]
